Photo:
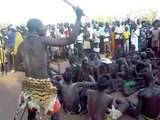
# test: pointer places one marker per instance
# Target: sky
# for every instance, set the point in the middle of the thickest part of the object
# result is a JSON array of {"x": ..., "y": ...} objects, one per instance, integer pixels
[{"x": 53, "y": 11}]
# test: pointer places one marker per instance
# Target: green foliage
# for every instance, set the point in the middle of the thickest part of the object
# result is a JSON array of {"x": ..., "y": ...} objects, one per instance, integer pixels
[
  {"x": 109, "y": 19},
  {"x": 142, "y": 14}
]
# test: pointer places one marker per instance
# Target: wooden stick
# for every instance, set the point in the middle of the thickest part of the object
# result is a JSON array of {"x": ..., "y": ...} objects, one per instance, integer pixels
[
  {"x": 69, "y": 3},
  {"x": 66, "y": 1}
]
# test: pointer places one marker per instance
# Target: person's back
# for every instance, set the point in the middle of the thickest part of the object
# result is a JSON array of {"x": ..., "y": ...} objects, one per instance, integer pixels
[
  {"x": 70, "y": 96},
  {"x": 98, "y": 103},
  {"x": 34, "y": 61},
  {"x": 151, "y": 98},
  {"x": 31, "y": 58}
]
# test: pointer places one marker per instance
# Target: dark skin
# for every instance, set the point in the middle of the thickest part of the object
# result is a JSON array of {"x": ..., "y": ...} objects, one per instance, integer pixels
[
  {"x": 31, "y": 56},
  {"x": 32, "y": 51},
  {"x": 86, "y": 71},
  {"x": 72, "y": 90},
  {"x": 148, "y": 103},
  {"x": 148, "y": 99},
  {"x": 99, "y": 103},
  {"x": 70, "y": 93},
  {"x": 110, "y": 70},
  {"x": 134, "y": 75}
]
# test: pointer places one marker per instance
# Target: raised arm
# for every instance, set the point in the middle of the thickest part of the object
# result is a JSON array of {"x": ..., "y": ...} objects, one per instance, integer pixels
[
  {"x": 73, "y": 35},
  {"x": 87, "y": 84}
]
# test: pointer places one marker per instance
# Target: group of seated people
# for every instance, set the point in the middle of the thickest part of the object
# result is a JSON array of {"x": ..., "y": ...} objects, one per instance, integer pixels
[{"x": 87, "y": 84}]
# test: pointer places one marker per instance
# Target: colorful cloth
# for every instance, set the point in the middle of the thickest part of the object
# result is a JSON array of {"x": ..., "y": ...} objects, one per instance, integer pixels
[
  {"x": 126, "y": 35},
  {"x": 147, "y": 118},
  {"x": 3, "y": 58},
  {"x": 113, "y": 44},
  {"x": 39, "y": 94},
  {"x": 18, "y": 41},
  {"x": 130, "y": 83},
  {"x": 114, "y": 114}
]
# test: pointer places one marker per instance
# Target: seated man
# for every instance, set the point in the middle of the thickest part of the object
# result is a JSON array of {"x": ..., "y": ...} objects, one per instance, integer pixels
[
  {"x": 51, "y": 71},
  {"x": 143, "y": 64},
  {"x": 85, "y": 72},
  {"x": 99, "y": 103},
  {"x": 134, "y": 81},
  {"x": 148, "y": 107},
  {"x": 133, "y": 51},
  {"x": 70, "y": 93},
  {"x": 94, "y": 62},
  {"x": 107, "y": 67},
  {"x": 74, "y": 68}
]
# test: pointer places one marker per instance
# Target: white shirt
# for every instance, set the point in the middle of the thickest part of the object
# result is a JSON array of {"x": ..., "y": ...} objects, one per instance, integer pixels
[
  {"x": 91, "y": 31},
  {"x": 96, "y": 36},
  {"x": 119, "y": 30},
  {"x": 80, "y": 38},
  {"x": 101, "y": 30},
  {"x": 48, "y": 33},
  {"x": 135, "y": 34},
  {"x": 139, "y": 26},
  {"x": 106, "y": 34}
]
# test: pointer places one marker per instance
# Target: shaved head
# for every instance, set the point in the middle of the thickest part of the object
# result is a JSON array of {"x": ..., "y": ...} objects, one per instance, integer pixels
[
  {"x": 103, "y": 82},
  {"x": 35, "y": 24}
]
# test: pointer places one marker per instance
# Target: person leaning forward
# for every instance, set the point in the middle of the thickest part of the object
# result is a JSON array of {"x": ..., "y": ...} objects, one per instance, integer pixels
[{"x": 31, "y": 58}]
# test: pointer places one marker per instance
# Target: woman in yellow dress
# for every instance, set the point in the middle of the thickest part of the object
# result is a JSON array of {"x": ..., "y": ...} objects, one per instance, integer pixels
[{"x": 3, "y": 58}]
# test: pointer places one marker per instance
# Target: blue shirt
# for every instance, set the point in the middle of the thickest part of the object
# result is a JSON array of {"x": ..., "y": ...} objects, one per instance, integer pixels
[{"x": 11, "y": 38}]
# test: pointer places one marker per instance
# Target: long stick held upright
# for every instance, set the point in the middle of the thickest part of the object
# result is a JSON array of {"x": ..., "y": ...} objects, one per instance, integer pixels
[
  {"x": 73, "y": 6},
  {"x": 66, "y": 1}
]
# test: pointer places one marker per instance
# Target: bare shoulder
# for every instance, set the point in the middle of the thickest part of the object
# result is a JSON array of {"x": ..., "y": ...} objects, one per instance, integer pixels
[
  {"x": 90, "y": 92},
  {"x": 143, "y": 91},
  {"x": 109, "y": 97}
]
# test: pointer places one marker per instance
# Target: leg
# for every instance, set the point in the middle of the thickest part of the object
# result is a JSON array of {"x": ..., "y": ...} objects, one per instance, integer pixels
[
  {"x": 127, "y": 45},
  {"x": 2, "y": 68},
  {"x": 5, "y": 68},
  {"x": 104, "y": 47},
  {"x": 123, "y": 107},
  {"x": 127, "y": 91},
  {"x": 31, "y": 115},
  {"x": 9, "y": 58},
  {"x": 55, "y": 116}
]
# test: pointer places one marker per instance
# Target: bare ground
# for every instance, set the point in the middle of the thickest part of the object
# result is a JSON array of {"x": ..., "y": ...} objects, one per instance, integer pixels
[{"x": 10, "y": 88}]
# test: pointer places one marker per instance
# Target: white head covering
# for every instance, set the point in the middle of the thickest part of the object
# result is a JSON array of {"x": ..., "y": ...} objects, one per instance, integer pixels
[
  {"x": 106, "y": 61},
  {"x": 96, "y": 50},
  {"x": 13, "y": 27}
]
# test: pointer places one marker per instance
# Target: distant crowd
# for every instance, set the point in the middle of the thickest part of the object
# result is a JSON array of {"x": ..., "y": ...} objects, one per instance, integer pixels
[{"x": 94, "y": 36}]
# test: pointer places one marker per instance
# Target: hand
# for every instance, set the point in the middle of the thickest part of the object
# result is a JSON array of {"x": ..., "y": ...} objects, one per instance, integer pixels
[{"x": 79, "y": 12}]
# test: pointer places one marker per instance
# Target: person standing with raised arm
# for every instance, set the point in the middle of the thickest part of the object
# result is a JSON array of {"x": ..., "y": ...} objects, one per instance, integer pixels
[{"x": 37, "y": 93}]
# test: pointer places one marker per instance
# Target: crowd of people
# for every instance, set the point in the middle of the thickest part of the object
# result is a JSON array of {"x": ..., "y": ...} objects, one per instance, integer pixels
[
  {"x": 131, "y": 64},
  {"x": 95, "y": 36}
]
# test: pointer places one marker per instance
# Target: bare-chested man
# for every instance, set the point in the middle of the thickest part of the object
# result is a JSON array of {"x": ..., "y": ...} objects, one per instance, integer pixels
[
  {"x": 148, "y": 107},
  {"x": 99, "y": 103},
  {"x": 37, "y": 90},
  {"x": 86, "y": 71},
  {"x": 71, "y": 93}
]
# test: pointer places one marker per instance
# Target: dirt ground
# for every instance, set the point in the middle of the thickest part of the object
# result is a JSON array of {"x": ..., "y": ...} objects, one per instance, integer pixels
[{"x": 10, "y": 88}]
